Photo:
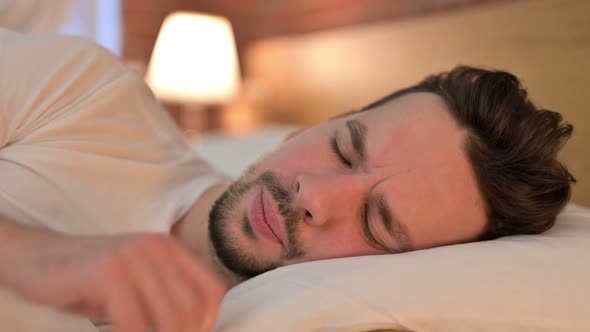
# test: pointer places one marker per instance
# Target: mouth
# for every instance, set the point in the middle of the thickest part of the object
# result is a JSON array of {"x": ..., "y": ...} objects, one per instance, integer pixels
[
  {"x": 271, "y": 216},
  {"x": 264, "y": 220}
]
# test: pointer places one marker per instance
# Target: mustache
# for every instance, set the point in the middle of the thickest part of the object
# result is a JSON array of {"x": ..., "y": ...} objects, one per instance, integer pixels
[
  {"x": 284, "y": 200},
  {"x": 282, "y": 196}
]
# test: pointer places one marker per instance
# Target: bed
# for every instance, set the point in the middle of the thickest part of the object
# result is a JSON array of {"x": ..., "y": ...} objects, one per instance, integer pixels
[
  {"x": 516, "y": 283},
  {"x": 513, "y": 284}
]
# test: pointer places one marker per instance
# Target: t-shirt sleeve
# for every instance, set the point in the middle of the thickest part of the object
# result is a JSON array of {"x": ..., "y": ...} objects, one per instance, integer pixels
[
  {"x": 42, "y": 77},
  {"x": 84, "y": 145}
]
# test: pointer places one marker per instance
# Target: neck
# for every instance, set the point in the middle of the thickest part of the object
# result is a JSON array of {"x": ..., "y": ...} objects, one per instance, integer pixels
[{"x": 193, "y": 231}]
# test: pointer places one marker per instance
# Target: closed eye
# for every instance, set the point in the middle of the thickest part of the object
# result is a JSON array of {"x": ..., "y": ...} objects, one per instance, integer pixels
[
  {"x": 367, "y": 230},
  {"x": 336, "y": 149}
]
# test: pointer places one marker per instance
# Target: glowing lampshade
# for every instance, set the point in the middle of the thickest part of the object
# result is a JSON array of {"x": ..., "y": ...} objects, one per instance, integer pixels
[{"x": 194, "y": 60}]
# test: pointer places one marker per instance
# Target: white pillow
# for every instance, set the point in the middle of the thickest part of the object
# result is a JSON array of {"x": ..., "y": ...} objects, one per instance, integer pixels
[{"x": 516, "y": 283}]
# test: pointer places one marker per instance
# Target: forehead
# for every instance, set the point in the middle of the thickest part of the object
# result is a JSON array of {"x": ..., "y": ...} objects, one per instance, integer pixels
[
  {"x": 417, "y": 125},
  {"x": 429, "y": 182}
]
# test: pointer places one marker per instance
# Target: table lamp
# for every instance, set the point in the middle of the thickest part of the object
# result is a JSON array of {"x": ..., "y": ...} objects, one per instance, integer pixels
[{"x": 194, "y": 64}]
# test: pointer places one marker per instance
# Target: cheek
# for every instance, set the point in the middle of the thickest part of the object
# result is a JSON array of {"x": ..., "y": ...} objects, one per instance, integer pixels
[
  {"x": 334, "y": 243},
  {"x": 435, "y": 209}
]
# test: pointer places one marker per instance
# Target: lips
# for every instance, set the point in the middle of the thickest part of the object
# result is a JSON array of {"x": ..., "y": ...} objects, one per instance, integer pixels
[
  {"x": 271, "y": 216},
  {"x": 262, "y": 218}
]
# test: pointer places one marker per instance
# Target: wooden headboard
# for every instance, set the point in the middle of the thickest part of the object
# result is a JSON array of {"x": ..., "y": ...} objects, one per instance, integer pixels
[{"x": 546, "y": 43}]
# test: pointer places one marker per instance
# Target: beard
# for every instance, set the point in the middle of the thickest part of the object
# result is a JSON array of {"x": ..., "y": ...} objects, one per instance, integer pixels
[{"x": 221, "y": 225}]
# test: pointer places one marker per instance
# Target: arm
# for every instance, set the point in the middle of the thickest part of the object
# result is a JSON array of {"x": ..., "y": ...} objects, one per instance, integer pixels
[{"x": 135, "y": 281}]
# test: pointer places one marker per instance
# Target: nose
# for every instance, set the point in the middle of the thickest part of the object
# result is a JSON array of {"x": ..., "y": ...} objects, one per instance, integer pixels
[{"x": 326, "y": 197}]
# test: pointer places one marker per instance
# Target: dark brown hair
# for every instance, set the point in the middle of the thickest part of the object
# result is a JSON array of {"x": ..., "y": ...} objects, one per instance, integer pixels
[{"x": 512, "y": 147}]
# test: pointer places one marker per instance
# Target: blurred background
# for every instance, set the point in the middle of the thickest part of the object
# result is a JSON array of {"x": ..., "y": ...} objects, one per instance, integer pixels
[{"x": 299, "y": 62}]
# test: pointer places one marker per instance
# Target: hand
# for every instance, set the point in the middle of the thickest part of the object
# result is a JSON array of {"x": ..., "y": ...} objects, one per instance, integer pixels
[{"x": 135, "y": 281}]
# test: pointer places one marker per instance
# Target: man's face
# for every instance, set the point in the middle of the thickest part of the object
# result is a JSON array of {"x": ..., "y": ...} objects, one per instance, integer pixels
[{"x": 387, "y": 180}]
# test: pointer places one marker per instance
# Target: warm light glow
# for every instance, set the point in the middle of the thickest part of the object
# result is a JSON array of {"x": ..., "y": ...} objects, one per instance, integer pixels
[{"x": 194, "y": 60}]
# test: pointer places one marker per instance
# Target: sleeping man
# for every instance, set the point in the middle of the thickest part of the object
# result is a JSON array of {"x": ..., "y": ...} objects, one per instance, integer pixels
[{"x": 106, "y": 212}]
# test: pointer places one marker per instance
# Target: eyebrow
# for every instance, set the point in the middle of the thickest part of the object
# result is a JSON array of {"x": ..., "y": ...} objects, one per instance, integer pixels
[
  {"x": 398, "y": 230},
  {"x": 358, "y": 136}
]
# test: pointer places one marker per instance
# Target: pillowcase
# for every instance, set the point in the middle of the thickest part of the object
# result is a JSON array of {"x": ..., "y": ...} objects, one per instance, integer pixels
[{"x": 515, "y": 283}]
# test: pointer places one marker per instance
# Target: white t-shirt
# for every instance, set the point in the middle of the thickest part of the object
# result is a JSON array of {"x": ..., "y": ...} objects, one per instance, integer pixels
[{"x": 84, "y": 146}]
